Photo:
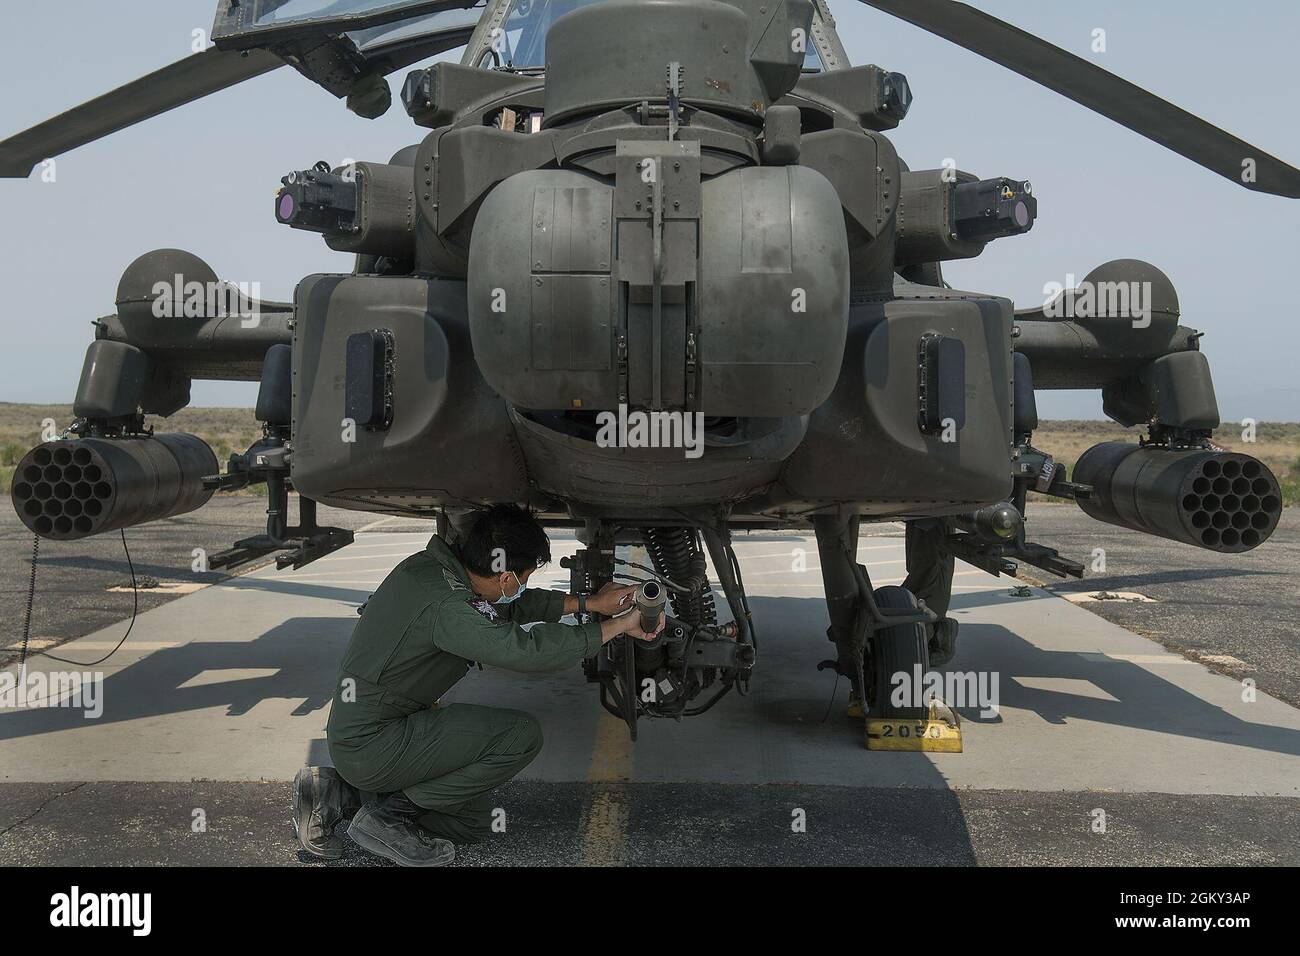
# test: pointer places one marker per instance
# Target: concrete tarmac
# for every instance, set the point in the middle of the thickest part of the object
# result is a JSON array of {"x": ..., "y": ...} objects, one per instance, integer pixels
[{"x": 1105, "y": 746}]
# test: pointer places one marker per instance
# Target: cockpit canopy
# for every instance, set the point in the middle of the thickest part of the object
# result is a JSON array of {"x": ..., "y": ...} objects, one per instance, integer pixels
[
  {"x": 521, "y": 44},
  {"x": 374, "y": 29},
  {"x": 369, "y": 24}
]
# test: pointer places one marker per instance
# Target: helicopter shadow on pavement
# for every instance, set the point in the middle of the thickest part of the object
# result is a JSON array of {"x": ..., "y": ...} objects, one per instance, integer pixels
[
  {"x": 1140, "y": 698},
  {"x": 299, "y": 657},
  {"x": 789, "y": 730}
]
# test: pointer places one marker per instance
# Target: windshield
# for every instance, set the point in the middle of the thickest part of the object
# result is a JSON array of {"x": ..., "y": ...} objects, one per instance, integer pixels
[
  {"x": 424, "y": 18},
  {"x": 268, "y": 12},
  {"x": 521, "y": 45},
  {"x": 460, "y": 19}
]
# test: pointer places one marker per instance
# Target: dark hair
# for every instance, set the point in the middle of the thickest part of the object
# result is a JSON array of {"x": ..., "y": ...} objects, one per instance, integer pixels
[{"x": 504, "y": 538}]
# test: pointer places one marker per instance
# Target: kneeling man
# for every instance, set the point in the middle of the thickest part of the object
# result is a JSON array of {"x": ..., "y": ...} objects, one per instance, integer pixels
[{"x": 434, "y": 767}]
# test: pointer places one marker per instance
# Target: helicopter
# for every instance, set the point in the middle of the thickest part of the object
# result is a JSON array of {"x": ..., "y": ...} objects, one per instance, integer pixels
[{"x": 658, "y": 263}]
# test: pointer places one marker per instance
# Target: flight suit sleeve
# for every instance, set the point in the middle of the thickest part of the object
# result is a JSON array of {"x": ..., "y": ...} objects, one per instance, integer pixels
[
  {"x": 536, "y": 604},
  {"x": 475, "y": 629}
]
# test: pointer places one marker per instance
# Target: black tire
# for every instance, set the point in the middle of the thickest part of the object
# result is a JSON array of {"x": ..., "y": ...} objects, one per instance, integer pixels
[{"x": 894, "y": 650}]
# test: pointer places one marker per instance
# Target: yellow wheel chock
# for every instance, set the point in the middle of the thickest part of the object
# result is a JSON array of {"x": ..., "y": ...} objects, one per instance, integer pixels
[{"x": 938, "y": 732}]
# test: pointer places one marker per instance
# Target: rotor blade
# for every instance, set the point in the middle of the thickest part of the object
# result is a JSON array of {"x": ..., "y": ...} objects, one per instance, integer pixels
[
  {"x": 183, "y": 82},
  {"x": 1089, "y": 85}
]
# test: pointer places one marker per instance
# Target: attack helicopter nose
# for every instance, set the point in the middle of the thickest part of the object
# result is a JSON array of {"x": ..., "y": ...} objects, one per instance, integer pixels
[{"x": 686, "y": 262}]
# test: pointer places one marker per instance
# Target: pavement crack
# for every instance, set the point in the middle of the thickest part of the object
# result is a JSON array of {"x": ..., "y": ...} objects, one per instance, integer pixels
[{"x": 44, "y": 803}]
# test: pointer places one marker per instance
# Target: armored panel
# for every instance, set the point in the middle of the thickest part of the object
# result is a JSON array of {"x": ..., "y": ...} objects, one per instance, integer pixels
[
  {"x": 782, "y": 129},
  {"x": 865, "y": 443},
  {"x": 449, "y": 440},
  {"x": 864, "y": 169},
  {"x": 541, "y": 291},
  {"x": 728, "y": 296},
  {"x": 774, "y": 292}
]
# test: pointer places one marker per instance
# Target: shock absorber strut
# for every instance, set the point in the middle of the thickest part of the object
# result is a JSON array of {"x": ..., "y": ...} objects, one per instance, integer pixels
[{"x": 678, "y": 556}]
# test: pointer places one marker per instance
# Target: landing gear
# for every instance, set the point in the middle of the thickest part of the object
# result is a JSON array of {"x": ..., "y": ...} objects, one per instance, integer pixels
[
  {"x": 877, "y": 633},
  {"x": 693, "y": 655},
  {"x": 898, "y": 649}
]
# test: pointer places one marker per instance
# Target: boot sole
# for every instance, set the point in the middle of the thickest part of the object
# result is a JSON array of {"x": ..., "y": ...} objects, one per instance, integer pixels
[
  {"x": 371, "y": 843},
  {"x": 303, "y": 800}
]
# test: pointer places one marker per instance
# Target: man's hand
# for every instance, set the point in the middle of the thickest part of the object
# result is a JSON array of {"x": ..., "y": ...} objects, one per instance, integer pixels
[
  {"x": 628, "y": 623},
  {"x": 612, "y": 599}
]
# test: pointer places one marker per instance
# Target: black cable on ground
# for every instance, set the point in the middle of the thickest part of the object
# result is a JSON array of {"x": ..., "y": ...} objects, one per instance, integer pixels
[
  {"x": 31, "y": 600},
  {"x": 135, "y": 610}
]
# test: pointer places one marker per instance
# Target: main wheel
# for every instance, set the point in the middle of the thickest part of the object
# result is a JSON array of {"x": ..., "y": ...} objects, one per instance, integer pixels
[{"x": 896, "y": 650}]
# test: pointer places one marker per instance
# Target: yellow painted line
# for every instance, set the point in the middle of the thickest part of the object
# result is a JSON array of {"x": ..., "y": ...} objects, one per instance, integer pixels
[
  {"x": 32, "y": 644},
  {"x": 817, "y": 567},
  {"x": 1101, "y": 658},
  {"x": 376, "y": 524},
  {"x": 819, "y": 586},
  {"x": 298, "y": 576},
  {"x": 344, "y": 556},
  {"x": 786, "y": 554},
  {"x": 602, "y": 832},
  {"x": 391, "y": 540},
  {"x": 81, "y": 646},
  {"x": 364, "y": 582}
]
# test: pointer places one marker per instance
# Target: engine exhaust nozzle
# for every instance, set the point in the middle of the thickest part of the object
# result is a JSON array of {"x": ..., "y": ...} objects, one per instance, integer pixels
[
  {"x": 72, "y": 489},
  {"x": 1223, "y": 501}
]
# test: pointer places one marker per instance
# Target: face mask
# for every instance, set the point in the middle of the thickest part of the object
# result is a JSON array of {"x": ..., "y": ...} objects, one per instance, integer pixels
[{"x": 510, "y": 599}]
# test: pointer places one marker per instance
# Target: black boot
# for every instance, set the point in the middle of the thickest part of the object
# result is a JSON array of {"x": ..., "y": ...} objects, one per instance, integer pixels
[
  {"x": 321, "y": 801},
  {"x": 391, "y": 828}
]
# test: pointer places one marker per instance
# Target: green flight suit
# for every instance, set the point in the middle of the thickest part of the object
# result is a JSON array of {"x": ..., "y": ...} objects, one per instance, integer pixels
[
  {"x": 930, "y": 563},
  {"x": 419, "y": 634}
]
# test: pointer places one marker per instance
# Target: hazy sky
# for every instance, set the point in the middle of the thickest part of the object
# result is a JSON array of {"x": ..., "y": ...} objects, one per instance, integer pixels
[{"x": 202, "y": 177}]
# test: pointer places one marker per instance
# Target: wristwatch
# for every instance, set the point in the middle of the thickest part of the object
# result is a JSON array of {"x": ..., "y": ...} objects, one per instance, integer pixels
[{"x": 582, "y": 604}]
